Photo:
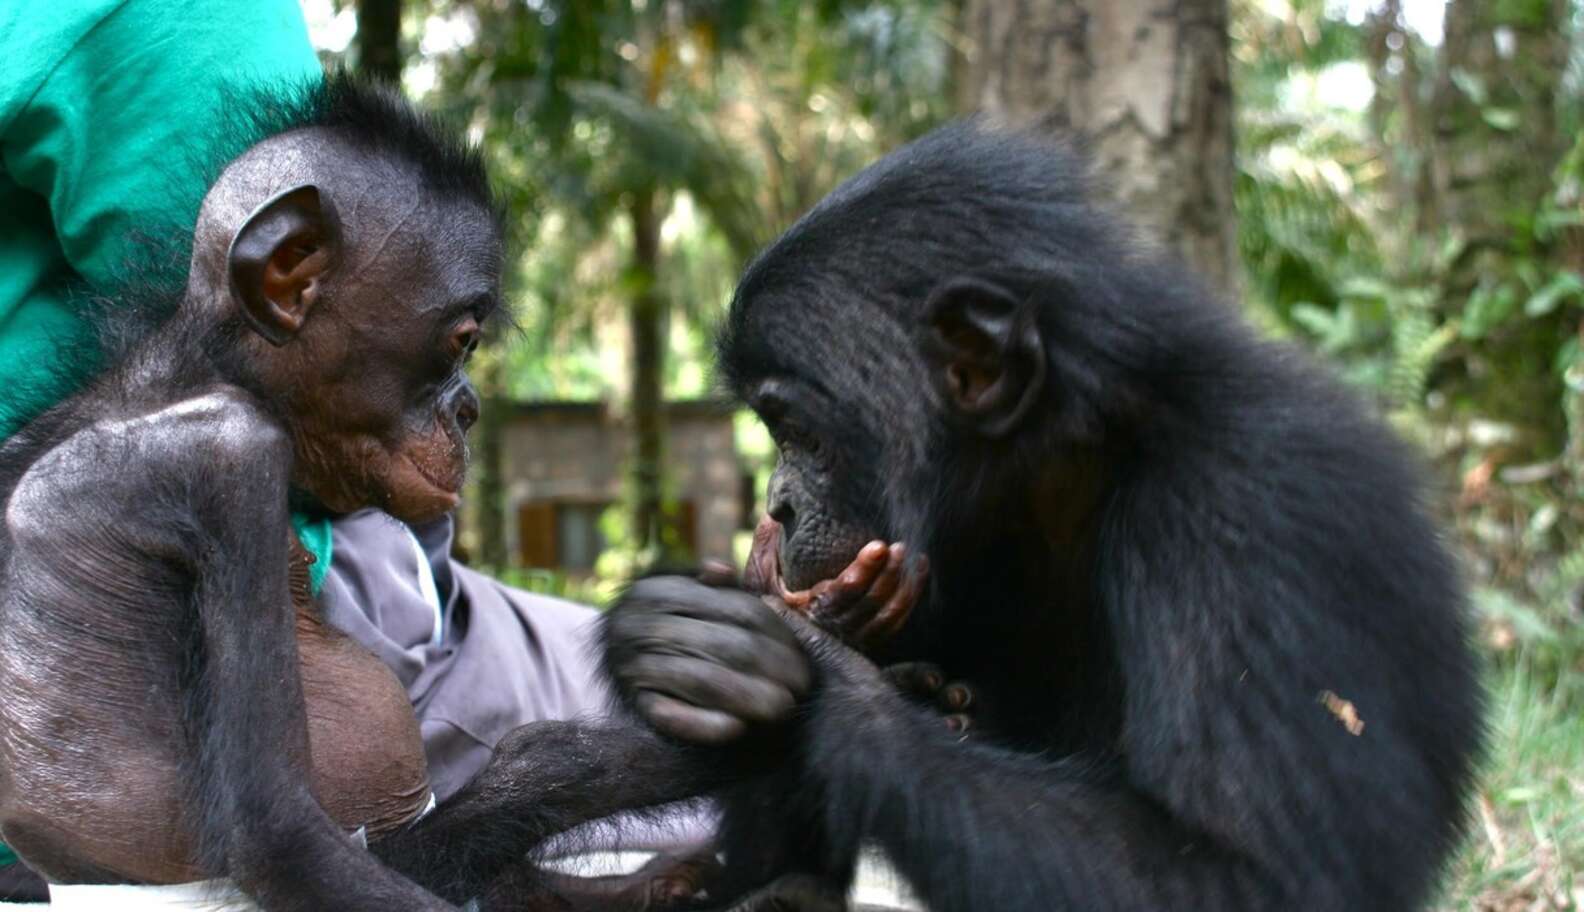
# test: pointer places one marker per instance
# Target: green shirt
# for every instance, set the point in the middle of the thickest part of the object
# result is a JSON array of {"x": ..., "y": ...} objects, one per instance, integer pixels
[
  {"x": 109, "y": 112},
  {"x": 106, "y": 110}
]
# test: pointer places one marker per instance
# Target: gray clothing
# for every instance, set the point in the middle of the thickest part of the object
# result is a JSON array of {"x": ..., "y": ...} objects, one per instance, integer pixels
[{"x": 477, "y": 658}]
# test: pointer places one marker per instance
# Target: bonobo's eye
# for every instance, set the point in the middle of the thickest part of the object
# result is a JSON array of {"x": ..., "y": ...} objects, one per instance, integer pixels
[
  {"x": 464, "y": 339},
  {"x": 780, "y": 406}
]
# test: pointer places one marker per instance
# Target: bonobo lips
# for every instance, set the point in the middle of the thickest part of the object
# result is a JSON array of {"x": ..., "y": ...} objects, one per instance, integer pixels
[
  {"x": 448, "y": 480},
  {"x": 763, "y": 573},
  {"x": 441, "y": 460}
]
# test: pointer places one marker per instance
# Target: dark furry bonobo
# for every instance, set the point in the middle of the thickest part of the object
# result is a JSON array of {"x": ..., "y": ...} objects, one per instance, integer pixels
[
  {"x": 1225, "y": 655},
  {"x": 175, "y": 706}
]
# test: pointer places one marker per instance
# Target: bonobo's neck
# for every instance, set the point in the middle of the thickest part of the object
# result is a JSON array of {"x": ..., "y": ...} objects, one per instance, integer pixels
[
  {"x": 1066, "y": 499},
  {"x": 1029, "y": 558},
  {"x": 186, "y": 351}
]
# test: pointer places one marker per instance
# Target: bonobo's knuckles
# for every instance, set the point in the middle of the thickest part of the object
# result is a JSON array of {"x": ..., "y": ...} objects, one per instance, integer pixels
[{"x": 703, "y": 663}]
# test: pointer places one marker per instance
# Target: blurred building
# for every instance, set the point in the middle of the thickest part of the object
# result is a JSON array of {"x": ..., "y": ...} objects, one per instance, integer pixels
[{"x": 563, "y": 468}]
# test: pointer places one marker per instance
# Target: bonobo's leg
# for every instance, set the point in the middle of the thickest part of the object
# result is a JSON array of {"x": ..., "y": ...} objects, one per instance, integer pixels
[{"x": 545, "y": 778}]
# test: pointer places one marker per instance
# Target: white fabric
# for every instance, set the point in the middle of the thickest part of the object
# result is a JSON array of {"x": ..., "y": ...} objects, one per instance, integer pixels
[
  {"x": 426, "y": 586},
  {"x": 203, "y": 896}
]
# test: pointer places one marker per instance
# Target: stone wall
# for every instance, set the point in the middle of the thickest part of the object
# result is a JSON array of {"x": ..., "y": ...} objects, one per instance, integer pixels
[{"x": 563, "y": 461}]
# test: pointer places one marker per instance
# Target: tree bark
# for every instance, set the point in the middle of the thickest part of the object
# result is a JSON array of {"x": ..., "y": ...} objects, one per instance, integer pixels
[
  {"x": 1146, "y": 83},
  {"x": 647, "y": 324},
  {"x": 379, "y": 39},
  {"x": 490, "y": 433}
]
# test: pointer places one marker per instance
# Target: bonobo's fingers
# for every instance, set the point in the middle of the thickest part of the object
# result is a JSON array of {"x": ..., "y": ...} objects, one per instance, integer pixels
[
  {"x": 717, "y": 573},
  {"x": 703, "y": 663},
  {"x": 687, "y": 722},
  {"x": 679, "y": 596},
  {"x": 701, "y": 682},
  {"x": 921, "y": 681},
  {"x": 891, "y": 599},
  {"x": 869, "y": 601},
  {"x": 925, "y": 683},
  {"x": 865, "y": 582}
]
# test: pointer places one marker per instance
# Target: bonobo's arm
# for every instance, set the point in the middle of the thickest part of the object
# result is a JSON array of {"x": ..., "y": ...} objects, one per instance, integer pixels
[
  {"x": 544, "y": 778},
  {"x": 1080, "y": 833},
  {"x": 258, "y": 819}
]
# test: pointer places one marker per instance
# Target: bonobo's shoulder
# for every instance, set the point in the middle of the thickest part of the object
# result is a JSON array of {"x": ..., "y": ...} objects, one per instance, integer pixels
[
  {"x": 213, "y": 421},
  {"x": 137, "y": 445}
]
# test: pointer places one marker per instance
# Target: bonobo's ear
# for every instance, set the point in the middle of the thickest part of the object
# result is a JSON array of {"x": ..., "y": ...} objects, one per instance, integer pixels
[
  {"x": 984, "y": 352},
  {"x": 278, "y": 261}
]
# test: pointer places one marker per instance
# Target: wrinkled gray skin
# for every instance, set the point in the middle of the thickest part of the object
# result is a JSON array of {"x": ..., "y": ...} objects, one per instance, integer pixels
[
  {"x": 817, "y": 541},
  {"x": 154, "y": 724}
]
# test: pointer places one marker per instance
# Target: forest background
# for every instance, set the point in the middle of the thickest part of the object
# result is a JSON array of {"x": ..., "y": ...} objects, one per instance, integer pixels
[{"x": 1392, "y": 184}]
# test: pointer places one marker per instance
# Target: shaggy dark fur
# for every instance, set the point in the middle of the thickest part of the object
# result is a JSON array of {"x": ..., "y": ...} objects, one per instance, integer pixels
[{"x": 1179, "y": 582}]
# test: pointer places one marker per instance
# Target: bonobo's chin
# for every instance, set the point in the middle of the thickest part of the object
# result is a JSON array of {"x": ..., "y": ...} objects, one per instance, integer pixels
[{"x": 418, "y": 492}]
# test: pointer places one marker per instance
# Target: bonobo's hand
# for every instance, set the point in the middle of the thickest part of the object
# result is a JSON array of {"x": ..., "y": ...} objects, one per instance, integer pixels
[
  {"x": 703, "y": 663},
  {"x": 865, "y": 605}
]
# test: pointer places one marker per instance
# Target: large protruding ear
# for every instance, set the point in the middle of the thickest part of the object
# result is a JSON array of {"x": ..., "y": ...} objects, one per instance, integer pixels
[
  {"x": 278, "y": 261},
  {"x": 984, "y": 352}
]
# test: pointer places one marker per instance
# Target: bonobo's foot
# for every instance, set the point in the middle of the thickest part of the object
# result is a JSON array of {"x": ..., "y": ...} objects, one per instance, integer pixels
[
  {"x": 679, "y": 881},
  {"x": 794, "y": 893},
  {"x": 924, "y": 683}
]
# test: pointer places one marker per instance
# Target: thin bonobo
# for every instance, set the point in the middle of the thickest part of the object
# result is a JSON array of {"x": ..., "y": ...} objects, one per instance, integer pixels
[{"x": 176, "y": 707}]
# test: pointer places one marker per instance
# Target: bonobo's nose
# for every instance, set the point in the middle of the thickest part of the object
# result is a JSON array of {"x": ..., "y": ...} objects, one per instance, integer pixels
[
  {"x": 780, "y": 505},
  {"x": 464, "y": 407}
]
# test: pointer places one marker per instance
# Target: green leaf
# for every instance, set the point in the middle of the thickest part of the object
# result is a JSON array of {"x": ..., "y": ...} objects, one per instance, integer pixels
[
  {"x": 1470, "y": 84},
  {"x": 1316, "y": 320},
  {"x": 1488, "y": 306},
  {"x": 1365, "y": 287},
  {"x": 1504, "y": 119},
  {"x": 1562, "y": 286}
]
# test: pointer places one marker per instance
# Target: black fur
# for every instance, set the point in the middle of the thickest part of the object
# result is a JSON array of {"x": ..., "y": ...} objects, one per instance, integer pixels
[{"x": 1243, "y": 543}]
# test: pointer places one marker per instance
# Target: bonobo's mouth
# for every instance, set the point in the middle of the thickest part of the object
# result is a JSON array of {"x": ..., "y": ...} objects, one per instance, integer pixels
[
  {"x": 448, "y": 479},
  {"x": 439, "y": 461},
  {"x": 763, "y": 574}
]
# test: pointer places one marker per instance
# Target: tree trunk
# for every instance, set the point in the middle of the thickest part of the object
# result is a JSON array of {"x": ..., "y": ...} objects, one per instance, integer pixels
[
  {"x": 491, "y": 470},
  {"x": 1146, "y": 83},
  {"x": 646, "y": 396},
  {"x": 379, "y": 39}
]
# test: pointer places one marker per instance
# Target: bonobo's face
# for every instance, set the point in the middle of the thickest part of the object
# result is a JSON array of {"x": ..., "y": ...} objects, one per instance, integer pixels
[
  {"x": 822, "y": 499},
  {"x": 366, "y": 290},
  {"x": 383, "y": 424}
]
